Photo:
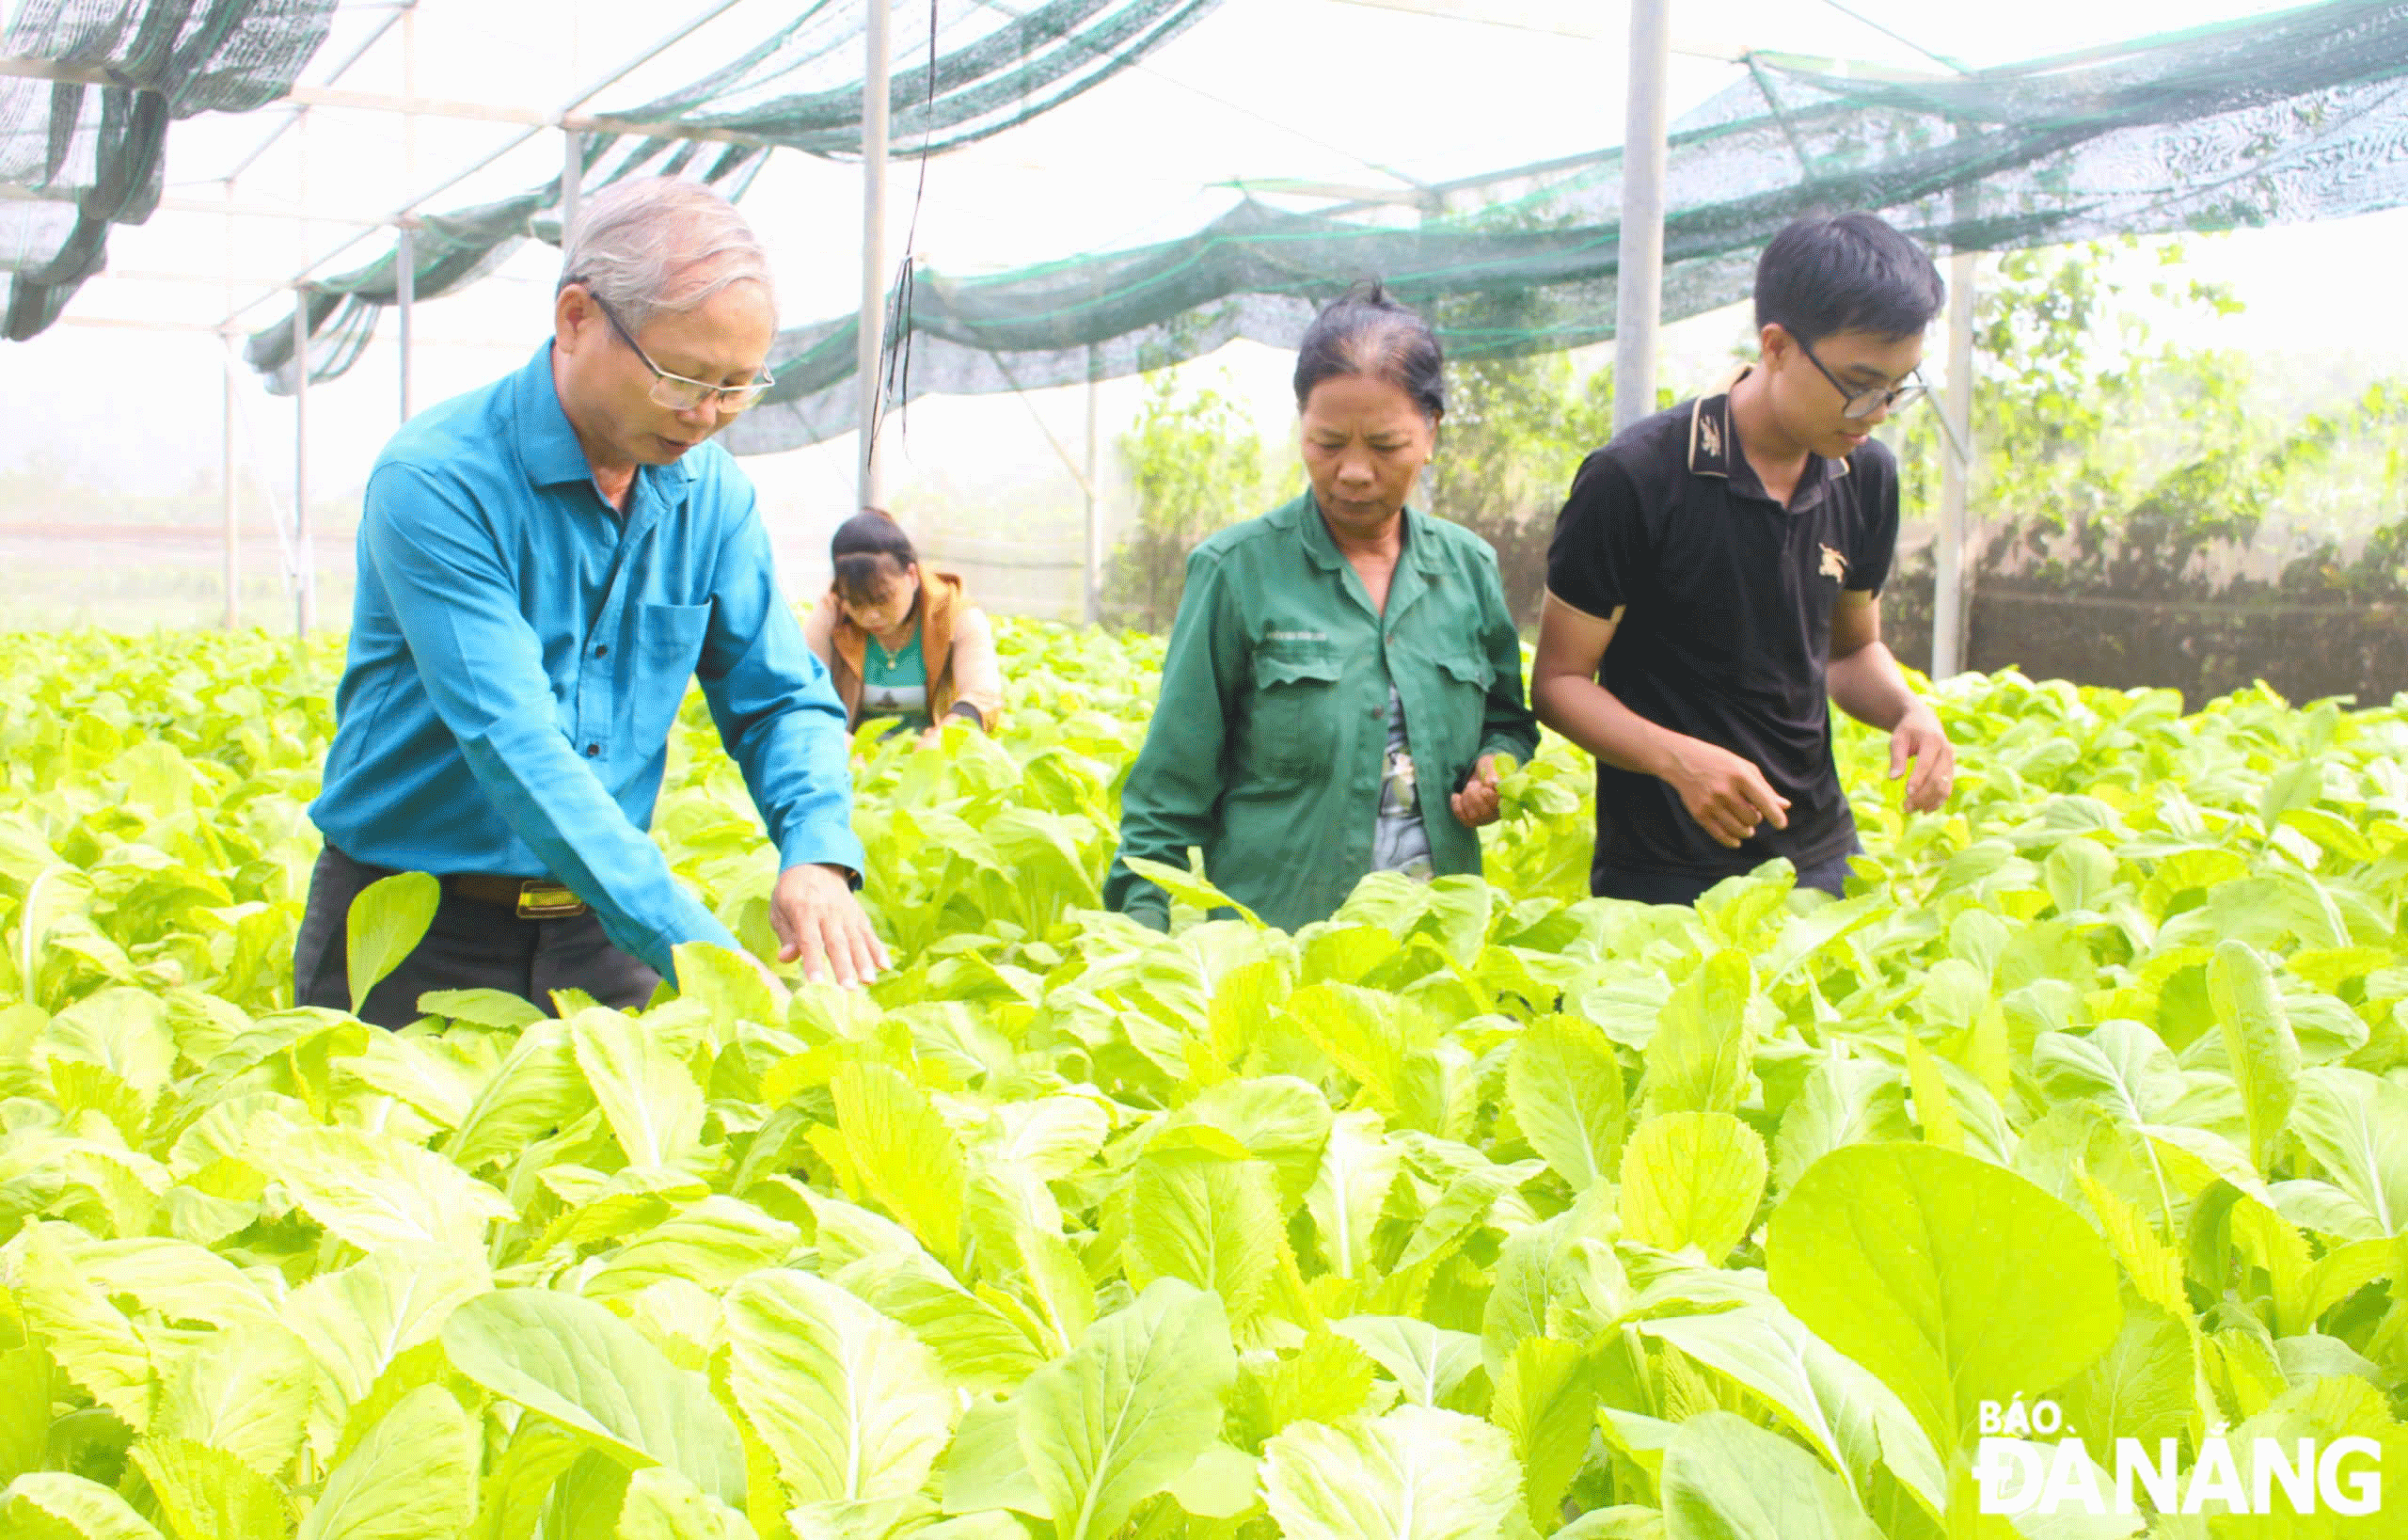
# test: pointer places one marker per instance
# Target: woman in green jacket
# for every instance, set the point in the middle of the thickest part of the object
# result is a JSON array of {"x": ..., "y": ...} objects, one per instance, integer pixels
[{"x": 1343, "y": 671}]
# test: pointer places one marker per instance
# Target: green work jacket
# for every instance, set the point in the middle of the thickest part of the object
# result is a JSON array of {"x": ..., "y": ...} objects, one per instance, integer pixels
[{"x": 1270, "y": 734}]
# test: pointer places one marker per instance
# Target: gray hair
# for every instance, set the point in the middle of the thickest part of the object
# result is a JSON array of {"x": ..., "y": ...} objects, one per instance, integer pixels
[{"x": 652, "y": 246}]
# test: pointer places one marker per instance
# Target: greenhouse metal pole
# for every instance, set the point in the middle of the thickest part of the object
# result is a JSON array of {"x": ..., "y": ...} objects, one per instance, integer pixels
[
  {"x": 572, "y": 180},
  {"x": 232, "y": 559},
  {"x": 405, "y": 300},
  {"x": 868, "y": 344},
  {"x": 1639, "y": 285},
  {"x": 405, "y": 237},
  {"x": 1956, "y": 476},
  {"x": 305, "y": 560},
  {"x": 1095, "y": 504}
]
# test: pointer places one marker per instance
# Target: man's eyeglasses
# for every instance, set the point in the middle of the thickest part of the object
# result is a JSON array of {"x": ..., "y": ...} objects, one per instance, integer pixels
[
  {"x": 675, "y": 391},
  {"x": 1862, "y": 401}
]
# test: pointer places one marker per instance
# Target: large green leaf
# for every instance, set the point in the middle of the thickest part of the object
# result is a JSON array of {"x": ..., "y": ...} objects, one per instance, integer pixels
[
  {"x": 207, "y": 1494},
  {"x": 853, "y": 1407},
  {"x": 1427, "y": 1361},
  {"x": 1547, "y": 1402},
  {"x": 2356, "y": 1126},
  {"x": 54, "y": 1505},
  {"x": 646, "y": 1093},
  {"x": 385, "y": 923},
  {"x": 2258, "y": 1044},
  {"x": 247, "y": 1391},
  {"x": 577, "y": 1363},
  {"x": 663, "y": 1505},
  {"x": 1125, "y": 1416},
  {"x": 1359, "y": 1165},
  {"x": 1921, "y": 1264},
  {"x": 1698, "y": 1062},
  {"x": 1853, "y": 1418},
  {"x": 1692, "y": 1179},
  {"x": 1278, "y": 1119},
  {"x": 356, "y": 1321},
  {"x": 375, "y": 1190},
  {"x": 1207, "y": 1220},
  {"x": 1565, "y": 1086},
  {"x": 1414, "y": 1474},
  {"x": 892, "y": 1144},
  {"x": 412, "y": 1478},
  {"x": 1726, "y": 1479}
]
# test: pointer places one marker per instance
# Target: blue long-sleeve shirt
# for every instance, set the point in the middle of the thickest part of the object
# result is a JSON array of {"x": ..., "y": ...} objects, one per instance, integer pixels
[{"x": 518, "y": 650}]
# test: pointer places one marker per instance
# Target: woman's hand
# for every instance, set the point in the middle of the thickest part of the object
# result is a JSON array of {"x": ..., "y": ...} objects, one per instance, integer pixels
[{"x": 1478, "y": 802}]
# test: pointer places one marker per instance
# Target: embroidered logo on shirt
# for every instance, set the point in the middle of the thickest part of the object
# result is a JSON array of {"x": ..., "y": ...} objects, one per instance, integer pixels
[
  {"x": 1709, "y": 438},
  {"x": 1834, "y": 564}
]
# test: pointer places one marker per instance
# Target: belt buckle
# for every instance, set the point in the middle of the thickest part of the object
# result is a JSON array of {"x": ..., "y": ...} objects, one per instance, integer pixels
[{"x": 542, "y": 901}]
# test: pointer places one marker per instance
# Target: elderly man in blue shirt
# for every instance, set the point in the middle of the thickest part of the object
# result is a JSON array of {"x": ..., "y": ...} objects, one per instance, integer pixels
[{"x": 543, "y": 563}]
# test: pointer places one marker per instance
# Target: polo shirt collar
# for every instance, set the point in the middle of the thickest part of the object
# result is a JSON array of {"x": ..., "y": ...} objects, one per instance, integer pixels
[
  {"x": 548, "y": 452},
  {"x": 1714, "y": 451}
]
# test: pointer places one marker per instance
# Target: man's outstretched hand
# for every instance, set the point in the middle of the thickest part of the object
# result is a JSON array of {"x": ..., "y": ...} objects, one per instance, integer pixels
[
  {"x": 1920, "y": 739},
  {"x": 820, "y": 923}
]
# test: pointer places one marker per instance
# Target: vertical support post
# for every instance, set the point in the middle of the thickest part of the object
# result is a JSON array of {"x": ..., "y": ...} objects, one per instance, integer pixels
[
  {"x": 1956, "y": 476},
  {"x": 572, "y": 179},
  {"x": 405, "y": 244},
  {"x": 1640, "y": 280},
  {"x": 1095, "y": 502},
  {"x": 405, "y": 296},
  {"x": 234, "y": 566},
  {"x": 869, "y": 348},
  {"x": 305, "y": 557},
  {"x": 232, "y": 555}
]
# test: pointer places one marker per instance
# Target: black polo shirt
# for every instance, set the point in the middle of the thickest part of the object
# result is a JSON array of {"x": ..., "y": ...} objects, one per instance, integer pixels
[{"x": 1726, "y": 626}]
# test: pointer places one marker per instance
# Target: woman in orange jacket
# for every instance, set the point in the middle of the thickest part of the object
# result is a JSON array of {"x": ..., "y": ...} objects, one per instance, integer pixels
[{"x": 900, "y": 644}]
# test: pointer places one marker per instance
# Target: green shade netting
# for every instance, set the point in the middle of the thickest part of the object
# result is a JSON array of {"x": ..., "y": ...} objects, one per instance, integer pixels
[
  {"x": 994, "y": 66},
  {"x": 2301, "y": 114},
  {"x": 78, "y": 159}
]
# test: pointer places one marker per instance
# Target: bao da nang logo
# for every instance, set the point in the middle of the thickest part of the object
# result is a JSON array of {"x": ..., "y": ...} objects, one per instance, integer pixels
[{"x": 2029, "y": 1463}]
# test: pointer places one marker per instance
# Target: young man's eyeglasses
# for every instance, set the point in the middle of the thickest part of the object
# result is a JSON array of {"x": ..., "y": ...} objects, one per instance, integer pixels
[
  {"x": 1863, "y": 401},
  {"x": 675, "y": 391}
]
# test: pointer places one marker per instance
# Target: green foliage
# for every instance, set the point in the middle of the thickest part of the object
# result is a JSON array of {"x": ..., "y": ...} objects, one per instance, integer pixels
[
  {"x": 1195, "y": 463},
  {"x": 1481, "y": 1205}
]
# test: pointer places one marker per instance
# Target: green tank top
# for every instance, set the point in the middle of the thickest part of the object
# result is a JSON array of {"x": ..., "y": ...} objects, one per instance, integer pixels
[{"x": 895, "y": 686}]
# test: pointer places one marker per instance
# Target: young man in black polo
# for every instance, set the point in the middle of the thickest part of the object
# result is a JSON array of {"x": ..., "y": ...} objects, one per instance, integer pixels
[{"x": 1715, "y": 584}]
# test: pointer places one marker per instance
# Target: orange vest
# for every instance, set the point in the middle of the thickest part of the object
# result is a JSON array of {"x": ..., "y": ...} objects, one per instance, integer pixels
[{"x": 940, "y": 597}]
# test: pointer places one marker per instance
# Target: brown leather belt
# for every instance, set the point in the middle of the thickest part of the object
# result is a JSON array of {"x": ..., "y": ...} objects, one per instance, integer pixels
[{"x": 528, "y": 897}]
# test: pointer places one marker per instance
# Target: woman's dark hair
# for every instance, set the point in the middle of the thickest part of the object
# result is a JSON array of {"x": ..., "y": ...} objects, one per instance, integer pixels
[
  {"x": 1848, "y": 271},
  {"x": 1365, "y": 332},
  {"x": 860, "y": 550}
]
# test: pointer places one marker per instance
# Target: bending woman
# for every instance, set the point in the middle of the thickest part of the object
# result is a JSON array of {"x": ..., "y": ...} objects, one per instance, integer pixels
[
  {"x": 899, "y": 644},
  {"x": 1343, "y": 671}
]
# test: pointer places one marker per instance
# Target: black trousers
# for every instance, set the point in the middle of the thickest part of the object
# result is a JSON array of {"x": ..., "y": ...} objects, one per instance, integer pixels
[
  {"x": 469, "y": 945},
  {"x": 1650, "y": 887}
]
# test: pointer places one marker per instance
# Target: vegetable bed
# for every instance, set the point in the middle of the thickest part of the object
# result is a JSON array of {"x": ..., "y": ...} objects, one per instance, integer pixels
[{"x": 1481, "y": 1211}]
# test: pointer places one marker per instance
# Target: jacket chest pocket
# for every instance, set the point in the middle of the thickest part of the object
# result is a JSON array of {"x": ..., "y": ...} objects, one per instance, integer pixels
[
  {"x": 1446, "y": 745},
  {"x": 1292, "y": 716},
  {"x": 668, "y": 643}
]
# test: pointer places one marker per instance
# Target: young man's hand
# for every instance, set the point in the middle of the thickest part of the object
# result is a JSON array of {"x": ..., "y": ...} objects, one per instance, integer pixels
[
  {"x": 1727, "y": 795},
  {"x": 819, "y": 921},
  {"x": 1919, "y": 738}
]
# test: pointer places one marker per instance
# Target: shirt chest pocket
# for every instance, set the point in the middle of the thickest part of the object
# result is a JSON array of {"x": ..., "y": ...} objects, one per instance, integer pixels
[
  {"x": 666, "y": 644},
  {"x": 1291, "y": 719}
]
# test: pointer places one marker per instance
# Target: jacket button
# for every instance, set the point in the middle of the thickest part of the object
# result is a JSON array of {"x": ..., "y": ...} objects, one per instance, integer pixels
[
  {"x": 593, "y": 751},
  {"x": 602, "y": 649}
]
